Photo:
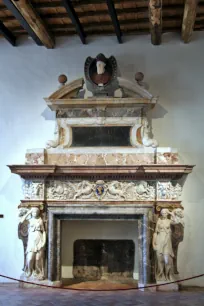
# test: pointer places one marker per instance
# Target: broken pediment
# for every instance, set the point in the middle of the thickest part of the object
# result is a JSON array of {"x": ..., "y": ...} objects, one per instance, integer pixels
[
  {"x": 73, "y": 95},
  {"x": 69, "y": 90},
  {"x": 101, "y": 82}
]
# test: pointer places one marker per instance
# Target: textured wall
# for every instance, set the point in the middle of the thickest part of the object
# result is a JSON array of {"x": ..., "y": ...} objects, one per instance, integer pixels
[{"x": 174, "y": 72}]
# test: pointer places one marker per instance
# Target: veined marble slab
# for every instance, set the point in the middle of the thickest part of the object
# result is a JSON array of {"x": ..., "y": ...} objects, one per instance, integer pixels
[{"x": 98, "y": 156}]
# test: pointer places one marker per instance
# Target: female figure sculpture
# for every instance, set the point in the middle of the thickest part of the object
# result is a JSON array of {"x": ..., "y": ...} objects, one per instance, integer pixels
[
  {"x": 36, "y": 244},
  {"x": 162, "y": 244}
]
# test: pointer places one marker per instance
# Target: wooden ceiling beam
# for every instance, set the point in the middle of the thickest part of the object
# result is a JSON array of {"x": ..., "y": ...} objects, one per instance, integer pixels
[
  {"x": 31, "y": 22},
  {"x": 172, "y": 12},
  {"x": 189, "y": 17},
  {"x": 178, "y": 12},
  {"x": 7, "y": 34},
  {"x": 94, "y": 25},
  {"x": 114, "y": 18},
  {"x": 75, "y": 20},
  {"x": 155, "y": 20}
]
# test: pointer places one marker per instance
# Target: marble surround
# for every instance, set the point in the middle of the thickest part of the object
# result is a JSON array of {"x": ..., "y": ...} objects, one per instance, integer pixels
[{"x": 59, "y": 212}]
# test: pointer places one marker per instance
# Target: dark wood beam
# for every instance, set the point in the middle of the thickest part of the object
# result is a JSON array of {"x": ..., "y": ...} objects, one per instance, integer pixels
[
  {"x": 173, "y": 12},
  {"x": 96, "y": 26},
  {"x": 7, "y": 34},
  {"x": 31, "y": 22},
  {"x": 88, "y": 2},
  {"x": 189, "y": 17},
  {"x": 155, "y": 20},
  {"x": 22, "y": 21},
  {"x": 113, "y": 14},
  {"x": 75, "y": 20}
]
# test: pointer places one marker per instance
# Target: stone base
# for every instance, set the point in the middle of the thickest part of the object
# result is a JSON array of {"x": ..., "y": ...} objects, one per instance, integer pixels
[
  {"x": 151, "y": 288},
  {"x": 34, "y": 283},
  {"x": 169, "y": 287},
  {"x": 148, "y": 287}
]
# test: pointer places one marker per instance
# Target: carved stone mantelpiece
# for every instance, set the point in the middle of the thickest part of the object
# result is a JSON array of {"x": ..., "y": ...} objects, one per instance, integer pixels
[{"x": 69, "y": 181}]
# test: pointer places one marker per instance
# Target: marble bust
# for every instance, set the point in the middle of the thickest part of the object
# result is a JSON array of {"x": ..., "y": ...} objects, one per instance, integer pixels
[{"x": 101, "y": 76}]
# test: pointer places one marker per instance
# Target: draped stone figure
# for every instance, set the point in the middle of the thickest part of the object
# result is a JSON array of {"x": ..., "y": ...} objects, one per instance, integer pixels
[
  {"x": 162, "y": 244},
  {"x": 34, "y": 254},
  {"x": 177, "y": 234}
]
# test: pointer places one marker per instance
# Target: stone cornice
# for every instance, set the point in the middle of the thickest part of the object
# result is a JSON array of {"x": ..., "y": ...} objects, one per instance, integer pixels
[
  {"x": 60, "y": 203},
  {"x": 28, "y": 170},
  {"x": 57, "y": 104}
]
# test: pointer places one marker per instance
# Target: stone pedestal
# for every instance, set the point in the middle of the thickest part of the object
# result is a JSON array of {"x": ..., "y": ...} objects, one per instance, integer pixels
[
  {"x": 167, "y": 287},
  {"x": 31, "y": 282}
]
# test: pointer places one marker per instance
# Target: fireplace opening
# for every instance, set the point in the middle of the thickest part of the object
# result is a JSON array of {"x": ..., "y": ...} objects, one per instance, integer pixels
[
  {"x": 103, "y": 259},
  {"x": 83, "y": 264}
]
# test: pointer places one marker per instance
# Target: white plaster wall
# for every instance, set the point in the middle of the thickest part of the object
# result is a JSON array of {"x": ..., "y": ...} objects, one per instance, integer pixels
[
  {"x": 175, "y": 73},
  {"x": 74, "y": 230}
]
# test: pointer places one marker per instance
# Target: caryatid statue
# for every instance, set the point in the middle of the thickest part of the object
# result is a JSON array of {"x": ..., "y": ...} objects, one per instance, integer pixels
[
  {"x": 162, "y": 244},
  {"x": 35, "y": 250}
]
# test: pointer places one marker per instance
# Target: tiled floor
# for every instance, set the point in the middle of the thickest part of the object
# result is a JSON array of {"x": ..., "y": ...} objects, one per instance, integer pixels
[{"x": 12, "y": 296}]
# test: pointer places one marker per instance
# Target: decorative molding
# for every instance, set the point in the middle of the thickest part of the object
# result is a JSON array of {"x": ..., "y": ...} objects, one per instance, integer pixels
[
  {"x": 42, "y": 204},
  {"x": 140, "y": 171},
  {"x": 57, "y": 104},
  {"x": 100, "y": 190}
]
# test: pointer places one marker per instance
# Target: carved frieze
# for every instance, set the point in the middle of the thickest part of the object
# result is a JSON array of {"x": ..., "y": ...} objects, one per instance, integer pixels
[
  {"x": 99, "y": 112},
  {"x": 168, "y": 190},
  {"x": 61, "y": 189},
  {"x": 100, "y": 190},
  {"x": 33, "y": 189}
]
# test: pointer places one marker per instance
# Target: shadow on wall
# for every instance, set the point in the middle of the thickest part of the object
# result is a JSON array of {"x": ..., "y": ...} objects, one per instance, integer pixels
[
  {"x": 11, "y": 194},
  {"x": 47, "y": 114}
]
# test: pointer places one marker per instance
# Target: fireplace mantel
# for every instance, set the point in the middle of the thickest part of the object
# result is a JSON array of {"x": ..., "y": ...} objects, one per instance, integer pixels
[
  {"x": 68, "y": 181},
  {"x": 137, "y": 171}
]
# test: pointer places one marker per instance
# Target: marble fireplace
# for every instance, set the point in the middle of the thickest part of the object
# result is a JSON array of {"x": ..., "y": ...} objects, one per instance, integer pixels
[
  {"x": 121, "y": 213},
  {"x": 64, "y": 183}
]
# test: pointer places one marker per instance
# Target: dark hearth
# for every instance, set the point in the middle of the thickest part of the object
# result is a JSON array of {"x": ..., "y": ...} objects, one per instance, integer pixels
[{"x": 103, "y": 259}]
